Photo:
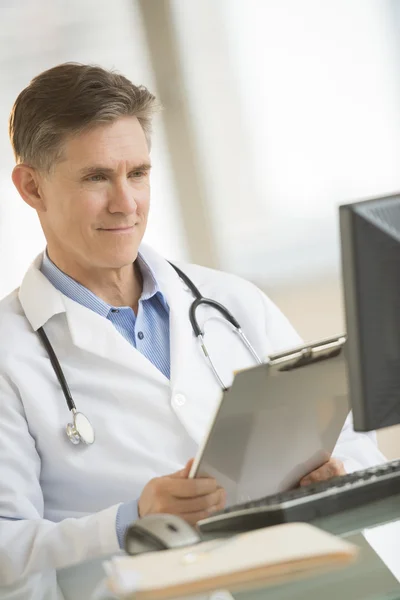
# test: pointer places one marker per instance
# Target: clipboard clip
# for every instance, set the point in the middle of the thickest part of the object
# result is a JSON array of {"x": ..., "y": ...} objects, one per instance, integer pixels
[{"x": 309, "y": 354}]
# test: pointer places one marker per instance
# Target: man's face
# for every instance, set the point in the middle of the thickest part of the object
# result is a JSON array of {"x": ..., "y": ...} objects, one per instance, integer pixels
[{"x": 97, "y": 197}]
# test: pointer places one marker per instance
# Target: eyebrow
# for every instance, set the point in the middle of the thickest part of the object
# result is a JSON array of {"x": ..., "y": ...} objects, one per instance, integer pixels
[{"x": 98, "y": 169}]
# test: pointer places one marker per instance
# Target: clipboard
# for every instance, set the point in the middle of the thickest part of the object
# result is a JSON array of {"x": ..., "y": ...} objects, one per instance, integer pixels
[{"x": 277, "y": 422}]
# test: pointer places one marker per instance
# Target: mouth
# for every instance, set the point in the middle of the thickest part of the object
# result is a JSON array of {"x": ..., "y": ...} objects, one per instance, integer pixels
[{"x": 125, "y": 229}]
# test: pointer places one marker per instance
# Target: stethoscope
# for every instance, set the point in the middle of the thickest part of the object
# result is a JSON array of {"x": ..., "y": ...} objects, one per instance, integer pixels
[{"x": 80, "y": 429}]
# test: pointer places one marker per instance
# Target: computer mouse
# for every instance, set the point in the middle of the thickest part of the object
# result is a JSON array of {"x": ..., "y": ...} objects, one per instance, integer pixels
[{"x": 159, "y": 532}]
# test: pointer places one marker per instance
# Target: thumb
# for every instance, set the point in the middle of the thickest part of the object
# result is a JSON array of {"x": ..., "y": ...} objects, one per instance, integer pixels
[{"x": 183, "y": 473}]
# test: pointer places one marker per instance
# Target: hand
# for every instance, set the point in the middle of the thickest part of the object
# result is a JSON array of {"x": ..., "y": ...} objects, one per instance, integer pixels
[
  {"x": 332, "y": 468},
  {"x": 190, "y": 499}
]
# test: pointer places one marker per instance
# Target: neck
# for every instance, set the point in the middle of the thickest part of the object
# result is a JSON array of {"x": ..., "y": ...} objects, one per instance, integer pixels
[{"x": 117, "y": 287}]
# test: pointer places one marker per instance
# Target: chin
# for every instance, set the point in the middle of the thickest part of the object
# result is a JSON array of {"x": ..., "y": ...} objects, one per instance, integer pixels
[
  {"x": 117, "y": 252},
  {"x": 116, "y": 259},
  {"x": 118, "y": 262}
]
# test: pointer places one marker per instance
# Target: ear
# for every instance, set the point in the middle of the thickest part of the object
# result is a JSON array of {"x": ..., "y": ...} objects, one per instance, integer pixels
[{"x": 27, "y": 181}]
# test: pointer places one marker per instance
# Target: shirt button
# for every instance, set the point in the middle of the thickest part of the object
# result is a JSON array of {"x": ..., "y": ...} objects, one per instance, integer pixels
[
  {"x": 115, "y": 310},
  {"x": 140, "y": 335},
  {"x": 180, "y": 400}
]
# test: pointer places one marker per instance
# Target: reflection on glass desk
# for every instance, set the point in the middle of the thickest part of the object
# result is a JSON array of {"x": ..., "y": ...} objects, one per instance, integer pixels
[{"x": 368, "y": 579}]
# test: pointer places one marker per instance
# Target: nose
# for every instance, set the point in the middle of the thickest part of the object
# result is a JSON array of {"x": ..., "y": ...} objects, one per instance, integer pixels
[{"x": 122, "y": 199}]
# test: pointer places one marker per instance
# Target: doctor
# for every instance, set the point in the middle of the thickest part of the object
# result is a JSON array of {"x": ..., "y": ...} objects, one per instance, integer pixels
[{"x": 117, "y": 316}]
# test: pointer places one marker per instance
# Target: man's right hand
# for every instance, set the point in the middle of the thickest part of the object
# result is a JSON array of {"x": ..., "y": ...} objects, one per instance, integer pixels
[{"x": 190, "y": 499}]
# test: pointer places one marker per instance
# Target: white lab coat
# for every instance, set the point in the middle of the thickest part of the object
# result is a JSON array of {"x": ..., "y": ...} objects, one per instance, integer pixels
[{"x": 65, "y": 497}]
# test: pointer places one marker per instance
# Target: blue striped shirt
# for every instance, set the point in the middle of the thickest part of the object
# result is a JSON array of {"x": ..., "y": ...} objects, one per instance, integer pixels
[{"x": 148, "y": 332}]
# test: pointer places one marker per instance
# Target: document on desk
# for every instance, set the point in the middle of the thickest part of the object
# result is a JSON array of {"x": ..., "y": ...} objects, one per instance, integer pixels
[
  {"x": 249, "y": 560},
  {"x": 278, "y": 422}
]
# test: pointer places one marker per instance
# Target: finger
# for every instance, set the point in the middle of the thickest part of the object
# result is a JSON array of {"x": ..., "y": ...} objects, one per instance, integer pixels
[
  {"x": 183, "y": 473},
  {"x": 332, "y": 468},
  {"x": 188, "y": 467},
  {"x": 337, "y": 467},
  {"x": 305, "y": 481},
  {"x": 194, "y": 517},
  {"x": 314, "y": 477},
  {"x": 191, "y": 488},
  {"x": 223, "y": 499},
  {"x": 201, "y": 503}
]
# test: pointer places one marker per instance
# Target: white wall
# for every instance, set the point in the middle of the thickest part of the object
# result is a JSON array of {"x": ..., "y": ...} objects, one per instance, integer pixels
[{"x": 296, "y": 108}]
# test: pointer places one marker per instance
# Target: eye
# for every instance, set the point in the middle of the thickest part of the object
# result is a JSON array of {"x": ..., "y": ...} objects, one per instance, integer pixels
[
  {"x": 138, "y": 174},
  {"x": 97, "y": 177}
]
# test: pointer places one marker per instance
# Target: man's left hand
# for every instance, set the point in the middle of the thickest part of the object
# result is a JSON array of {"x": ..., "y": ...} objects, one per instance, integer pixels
[{"x": 332, "y": 468}]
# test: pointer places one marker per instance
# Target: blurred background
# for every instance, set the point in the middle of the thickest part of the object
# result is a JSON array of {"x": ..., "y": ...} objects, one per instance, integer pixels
[{"x": 276, "y": 112}]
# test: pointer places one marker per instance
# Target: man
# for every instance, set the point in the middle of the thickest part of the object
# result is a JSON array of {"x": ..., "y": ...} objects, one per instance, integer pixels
[{"x": 117, "y": 318}]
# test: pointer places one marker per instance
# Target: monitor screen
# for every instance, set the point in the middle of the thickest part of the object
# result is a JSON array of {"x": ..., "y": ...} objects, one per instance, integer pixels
[{"x": 370, "y": 244}]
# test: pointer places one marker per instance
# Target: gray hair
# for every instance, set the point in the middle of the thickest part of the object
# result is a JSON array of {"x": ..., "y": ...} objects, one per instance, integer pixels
[{"x": 68, "y": 99}]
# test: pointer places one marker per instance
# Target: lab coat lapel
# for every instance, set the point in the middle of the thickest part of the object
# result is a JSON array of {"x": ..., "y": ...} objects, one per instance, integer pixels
[
  {"x": 39, "y": 298},
  {"x": 194, "y": 390},
  {"x": 89, "y": 331},
  {"x": 96, "y": 334}
]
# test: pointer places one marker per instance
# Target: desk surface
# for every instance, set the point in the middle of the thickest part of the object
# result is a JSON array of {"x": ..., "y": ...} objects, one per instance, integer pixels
[{"x": 367, "y": 579}]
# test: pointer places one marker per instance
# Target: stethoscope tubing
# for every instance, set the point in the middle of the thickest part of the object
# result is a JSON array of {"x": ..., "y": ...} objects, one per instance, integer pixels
[
  {"x": 57, "y": 369},
  {"x": 199, "y": 300}
]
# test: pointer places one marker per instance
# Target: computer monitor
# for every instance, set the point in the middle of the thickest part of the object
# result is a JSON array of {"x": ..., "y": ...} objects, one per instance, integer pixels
[{"x": 370, "y": 243}]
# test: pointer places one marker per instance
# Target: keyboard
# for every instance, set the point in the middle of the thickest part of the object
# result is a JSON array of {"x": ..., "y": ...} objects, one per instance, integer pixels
[{"x": 310, "y": 502}]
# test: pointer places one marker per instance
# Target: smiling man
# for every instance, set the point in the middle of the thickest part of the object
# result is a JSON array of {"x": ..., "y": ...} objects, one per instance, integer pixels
[{"x": 117, "y": 316}]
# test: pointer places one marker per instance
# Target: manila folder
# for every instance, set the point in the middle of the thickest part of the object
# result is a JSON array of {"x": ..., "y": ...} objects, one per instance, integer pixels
[{"x": 248, "y": 560}]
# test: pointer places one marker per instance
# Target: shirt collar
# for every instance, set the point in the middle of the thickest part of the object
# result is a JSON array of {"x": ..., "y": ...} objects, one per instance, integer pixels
[
  {"x": 79, "y": 293},
  {"x": 150, "y": 284}
]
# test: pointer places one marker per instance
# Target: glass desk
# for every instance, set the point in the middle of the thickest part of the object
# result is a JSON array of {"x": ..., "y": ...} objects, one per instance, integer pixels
[{"x": 367, "y": 579}]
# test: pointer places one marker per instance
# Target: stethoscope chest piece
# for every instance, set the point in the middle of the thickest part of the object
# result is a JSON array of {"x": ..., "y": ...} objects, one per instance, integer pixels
[{"x": 80, "y": 430}]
